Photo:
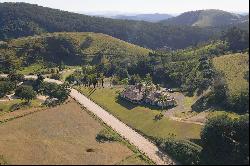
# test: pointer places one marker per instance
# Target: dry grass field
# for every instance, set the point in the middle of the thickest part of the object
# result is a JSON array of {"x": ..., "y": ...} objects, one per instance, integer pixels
[
  {"x": 234, "y": 67},
  {"x": 61, "y": 135}
]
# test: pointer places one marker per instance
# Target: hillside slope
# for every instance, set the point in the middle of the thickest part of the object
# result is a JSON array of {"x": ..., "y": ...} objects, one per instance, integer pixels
[
  {"x": 71, "y": 48},
  {"x": 207, "y": 18},
  {"x": 235, "y": 71},
  {"x": 22, "y": 19},
  {"x": 235, "y": 68}
]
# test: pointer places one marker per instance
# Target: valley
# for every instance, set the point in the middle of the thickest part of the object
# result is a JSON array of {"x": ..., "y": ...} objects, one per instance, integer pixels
[{"x": 79, "y": 89}]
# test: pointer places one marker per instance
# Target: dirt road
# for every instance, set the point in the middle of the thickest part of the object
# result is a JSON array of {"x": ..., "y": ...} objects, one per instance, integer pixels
[{"x": 129, "y": 134}]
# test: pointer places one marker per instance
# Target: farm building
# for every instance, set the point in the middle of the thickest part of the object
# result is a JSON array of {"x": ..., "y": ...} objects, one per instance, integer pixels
[
  {"x": 133, "y": 94},
  {"x": 148, "y": 95}
]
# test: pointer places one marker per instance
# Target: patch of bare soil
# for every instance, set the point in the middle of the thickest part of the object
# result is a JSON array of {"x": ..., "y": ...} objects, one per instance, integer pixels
[
  {"x": 61, "y": 135},
  {"x": 197, "y": 118}
]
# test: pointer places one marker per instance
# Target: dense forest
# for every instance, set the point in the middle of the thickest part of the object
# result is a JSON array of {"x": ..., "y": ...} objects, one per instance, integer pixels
[{"x": 21, "y": 19}]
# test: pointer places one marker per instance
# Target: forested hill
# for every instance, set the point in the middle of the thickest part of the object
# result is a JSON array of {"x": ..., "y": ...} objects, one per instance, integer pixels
[
  {"x": 73, "y": 48},
  {"x": 207, "y": 18},
  {"x": 22, "y": 19}
]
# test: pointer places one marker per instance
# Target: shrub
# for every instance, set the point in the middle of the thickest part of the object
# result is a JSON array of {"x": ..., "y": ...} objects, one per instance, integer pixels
[
  {"x": 15, "y": 107},
  {"x": 183, "y": 151},
  {"x": 225, "y": 140},
  {"x": 61, "y": 92},
  {"x": 106, "y": 136},
  {"x": 56, "y": 76},
  {"x": 71, "y": 78},
  {"x": 115, "y": 81},
  {"x": 6, "y": 87},
  {"x": 14, "y": 77},
  {"x": 26, "y": 93},
  {"x": 158, "y": 117}
]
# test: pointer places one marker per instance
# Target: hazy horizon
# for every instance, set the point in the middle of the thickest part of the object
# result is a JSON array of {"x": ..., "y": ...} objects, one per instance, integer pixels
[{"x": 111, "y": 7}]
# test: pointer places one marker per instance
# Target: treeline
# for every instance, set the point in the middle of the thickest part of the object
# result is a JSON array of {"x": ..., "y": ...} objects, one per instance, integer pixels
[
  {"x": 224, "y": 141},
  {"x": 21, "y": 19}
]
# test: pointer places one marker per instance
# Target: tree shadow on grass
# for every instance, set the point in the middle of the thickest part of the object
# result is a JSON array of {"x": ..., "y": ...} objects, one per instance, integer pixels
[{"x": 90, "y": 91}]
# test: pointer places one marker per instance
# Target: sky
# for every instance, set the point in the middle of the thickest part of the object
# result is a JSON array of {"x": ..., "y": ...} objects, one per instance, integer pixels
[{"x": 141, "y": 6}]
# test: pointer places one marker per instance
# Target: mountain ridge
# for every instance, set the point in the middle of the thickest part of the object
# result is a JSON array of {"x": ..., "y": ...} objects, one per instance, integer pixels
[
  {"x": 156, "y": 17},
  {"x": 206, "y": 18},
  {"x": 22, "y": 19}
]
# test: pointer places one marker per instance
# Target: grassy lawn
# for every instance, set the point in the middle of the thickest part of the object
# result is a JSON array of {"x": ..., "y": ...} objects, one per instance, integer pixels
[
  {"x": 34, "y": 68},
  {"x": 69, "y": 71},
  {"x": 218, "y": 112},
  {"x": 63, "y": 135},
  {"x": 140, "y": 117},
  {"x": 189, "y": 101},
  {"x": 185, "y": 114},
  {"x": 5, "y": 107}
]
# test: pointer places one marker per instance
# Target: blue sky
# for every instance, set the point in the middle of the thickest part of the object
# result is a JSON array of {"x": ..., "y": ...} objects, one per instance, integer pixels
[{"x": 141, "y": 6}]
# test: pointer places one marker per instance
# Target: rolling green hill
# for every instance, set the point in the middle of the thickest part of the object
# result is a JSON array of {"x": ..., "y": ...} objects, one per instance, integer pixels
[
  {"x": 207, "y": 18},
  {"x": 22, "y": 19},
  {"x": 234, "y": 68},
  {"x": 235, "y": 71},
  {"x": 70, "y": 48}
]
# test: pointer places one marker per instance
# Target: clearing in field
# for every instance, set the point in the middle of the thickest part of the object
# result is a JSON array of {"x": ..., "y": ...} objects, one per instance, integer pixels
[
  {"x": 61, "y": 135},
  {"x": 139, "y": 117}
]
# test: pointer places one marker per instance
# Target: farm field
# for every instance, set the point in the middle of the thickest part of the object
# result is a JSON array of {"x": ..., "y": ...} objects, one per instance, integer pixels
[
  {"x": 234, "y": 67},
  {"x": 62, "y": 135},
  {"x": 139, "y": 117}
]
